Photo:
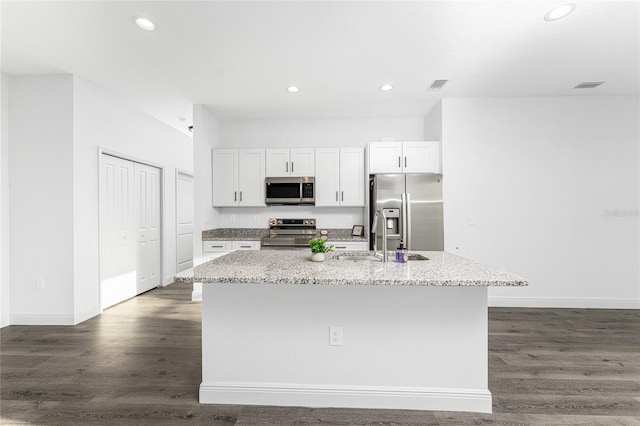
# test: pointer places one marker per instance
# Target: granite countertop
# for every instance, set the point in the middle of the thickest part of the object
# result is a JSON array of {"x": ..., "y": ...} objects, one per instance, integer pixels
[
  {"x": 295, "y": 267},
  {"x": 254, "y": 234}
]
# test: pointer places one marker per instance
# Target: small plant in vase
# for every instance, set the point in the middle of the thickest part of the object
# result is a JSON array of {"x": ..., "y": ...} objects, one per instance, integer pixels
[{"x": 319, "y": 248}]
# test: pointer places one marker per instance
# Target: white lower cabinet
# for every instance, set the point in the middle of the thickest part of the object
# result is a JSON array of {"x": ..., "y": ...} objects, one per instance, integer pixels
[
  {"x": 245, "y": 245},
  {"x": 215, "y": 249},
  {"x": 349, "y": 245}
]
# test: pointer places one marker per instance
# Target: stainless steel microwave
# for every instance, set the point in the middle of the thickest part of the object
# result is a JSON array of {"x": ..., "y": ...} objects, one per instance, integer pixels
[{"x": 290, "y": 190}]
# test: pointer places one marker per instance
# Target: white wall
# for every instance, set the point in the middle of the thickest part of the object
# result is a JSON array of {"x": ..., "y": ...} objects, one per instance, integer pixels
[
  {"x": 57, "y": 125},
  {"x": 542, "y": 176},
  {"x": 4, "y": 201},
  {"x": 206, "y": 134},
  {"x": 41, "y": 199},
  {"x": 317, "y": 133},
  {"x": 308, "y": 133},
  {"x": 433, "y": 123},
  {"x": 102, "y": 120}
]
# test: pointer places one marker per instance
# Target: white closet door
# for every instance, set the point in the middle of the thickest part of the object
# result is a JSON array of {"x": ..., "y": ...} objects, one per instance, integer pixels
[
  {"x": 147, "y": 195},
  {"x": 184, "y": 221},
  {"x": 117, "y": 239}
]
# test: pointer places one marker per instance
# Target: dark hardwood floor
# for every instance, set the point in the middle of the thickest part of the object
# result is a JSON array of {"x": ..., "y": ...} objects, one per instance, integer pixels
[{"x": 139, "y": 364}]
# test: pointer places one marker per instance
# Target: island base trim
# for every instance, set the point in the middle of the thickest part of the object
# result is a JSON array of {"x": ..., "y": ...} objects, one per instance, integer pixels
[{"x": 380, "y": 397}]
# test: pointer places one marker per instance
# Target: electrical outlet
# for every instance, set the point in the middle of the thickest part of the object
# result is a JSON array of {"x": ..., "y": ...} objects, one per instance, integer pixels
[
  {"x": 335, "y": 336},
  {"x": 256, "y": 218},
  {"x": 472, "y": 220},
  {"x": 348, "y": 219},
  {"x": 232, "y": 218},
  {"x": 40, "y": 284}
]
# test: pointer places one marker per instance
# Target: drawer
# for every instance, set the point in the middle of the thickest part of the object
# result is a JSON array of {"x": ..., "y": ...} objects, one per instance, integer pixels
[
  {"x": 208, "y": 246},
  {"x": 349, "y": 246},
  {"x": 245, "y": 245}
]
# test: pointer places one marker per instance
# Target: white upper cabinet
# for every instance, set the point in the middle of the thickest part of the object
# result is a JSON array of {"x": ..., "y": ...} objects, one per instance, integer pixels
[
  {"x": 404, "y": 157},
  {"x": 290, "y": 162},
  {"x": 251, "y": 175},
  {"x": 327, "y": 185},
  {"x": 385, "y": 157},
  {"x": 352, "y": 177},
  {"x": 225, "y": 177},
  {"x": 238, "y": 177},
  {"x": 339, "y": 177},
  {"x": 303, "y": 162}
]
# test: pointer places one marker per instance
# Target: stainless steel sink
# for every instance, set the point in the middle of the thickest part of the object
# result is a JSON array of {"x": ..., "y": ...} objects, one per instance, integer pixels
[
  {"x": 372, "y": 258},
  {"x": 416, "y": 256}
]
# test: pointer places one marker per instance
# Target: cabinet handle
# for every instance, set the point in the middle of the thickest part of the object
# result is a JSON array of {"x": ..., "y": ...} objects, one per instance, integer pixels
[
  {"x": 292, "y": 167},
  {"x": 287, "y": 167},
  {"x": 405, "y": 161},
  {"x": 342, "y": 196},
  {"x": 336, "y": 195},
  {"x": 399, "y": 165},
  {"x": 240, "y": 196},
  {"x": 235, "y": 195},
  {"x": 341, "y": 247},
  {"x": 245, "y": 246},
  {"x": 216, "y": 246}
]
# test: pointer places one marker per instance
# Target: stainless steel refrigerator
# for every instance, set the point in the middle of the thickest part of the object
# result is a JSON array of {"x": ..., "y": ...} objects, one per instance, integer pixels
[{"x": 412, "y": 204}]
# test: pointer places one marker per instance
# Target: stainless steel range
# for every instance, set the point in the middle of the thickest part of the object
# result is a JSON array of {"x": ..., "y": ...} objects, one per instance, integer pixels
[{"x": 289, "y": 234}]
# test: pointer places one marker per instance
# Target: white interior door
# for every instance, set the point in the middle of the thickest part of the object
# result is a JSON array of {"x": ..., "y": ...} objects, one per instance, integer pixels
[
  {"x": 147, "y": 195},
  {"x": 184, "y": 221},
  {"x": 117, "y": 225}
]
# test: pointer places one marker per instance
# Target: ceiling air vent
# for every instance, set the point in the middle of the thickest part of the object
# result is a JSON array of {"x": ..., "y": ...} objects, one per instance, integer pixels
[
  {"x": 589, "y": 84},
  {"x": 437, "y": 85}
]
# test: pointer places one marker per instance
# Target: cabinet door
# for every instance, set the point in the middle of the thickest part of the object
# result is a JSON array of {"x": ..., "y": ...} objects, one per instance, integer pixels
[
  {"x": 246, "y": 245},
  {"x": 277, "y": 163},
  {"x": 385, "y": 157},
  {"x": 327, "y": 184},
  {"x": 421, "y": 157},
  {"x": 352, "y": 177},
  {"x": 251, "y": 177},
  {"x": 302, "y": 162},
  {"x": 225, "y": 177}
]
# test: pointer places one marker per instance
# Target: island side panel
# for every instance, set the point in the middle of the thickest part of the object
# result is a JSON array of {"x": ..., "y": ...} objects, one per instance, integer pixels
[{"x": 412, "y": 347}]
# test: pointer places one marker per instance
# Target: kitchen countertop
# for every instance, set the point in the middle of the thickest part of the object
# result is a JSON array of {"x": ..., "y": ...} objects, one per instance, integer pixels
[
  {"x": 295, "y": 267},
  {"x": 254, "y": 234}
]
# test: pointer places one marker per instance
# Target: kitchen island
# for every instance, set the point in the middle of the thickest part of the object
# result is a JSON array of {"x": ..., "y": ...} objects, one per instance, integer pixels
[{"x": 278, "y": 329}]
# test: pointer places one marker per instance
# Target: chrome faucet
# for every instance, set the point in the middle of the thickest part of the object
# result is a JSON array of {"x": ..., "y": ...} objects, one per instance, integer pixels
[{"x": 374, "y": 231}]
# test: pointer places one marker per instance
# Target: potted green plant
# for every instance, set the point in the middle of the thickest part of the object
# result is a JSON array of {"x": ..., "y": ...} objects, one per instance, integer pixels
[{"x": 319, "y": 248}]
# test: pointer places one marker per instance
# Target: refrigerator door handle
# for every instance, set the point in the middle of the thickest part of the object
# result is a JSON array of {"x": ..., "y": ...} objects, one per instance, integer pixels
[
  {"x": 407, "y": 219},
  {"x": 403, "y": 212}
]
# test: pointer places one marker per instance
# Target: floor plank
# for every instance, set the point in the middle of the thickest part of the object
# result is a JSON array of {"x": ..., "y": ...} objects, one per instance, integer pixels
[{"x": 139, "y": 363}]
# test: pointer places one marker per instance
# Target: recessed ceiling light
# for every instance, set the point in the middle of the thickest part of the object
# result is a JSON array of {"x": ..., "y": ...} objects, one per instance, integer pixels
[
  {"x": 144, "y": 23},
  {"x": 386, "y": 87},
  {"x": 293, "y": 89},
  {"x": 560, "y": 12}
]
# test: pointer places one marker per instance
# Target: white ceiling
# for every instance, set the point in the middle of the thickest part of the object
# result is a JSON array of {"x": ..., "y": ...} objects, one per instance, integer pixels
[{"x": 238, "y": 57}]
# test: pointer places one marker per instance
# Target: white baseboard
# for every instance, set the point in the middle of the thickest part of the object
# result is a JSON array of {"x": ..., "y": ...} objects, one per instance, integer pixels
[
  {"x": 167, "y": 280},
  {"x": 41, "y": 319},
  {"x": 560, "y": 302},
  {"x": 196, "y": 294},
  {"x": 383, "y": 397},
  {"x": 86, "y": 314}
]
